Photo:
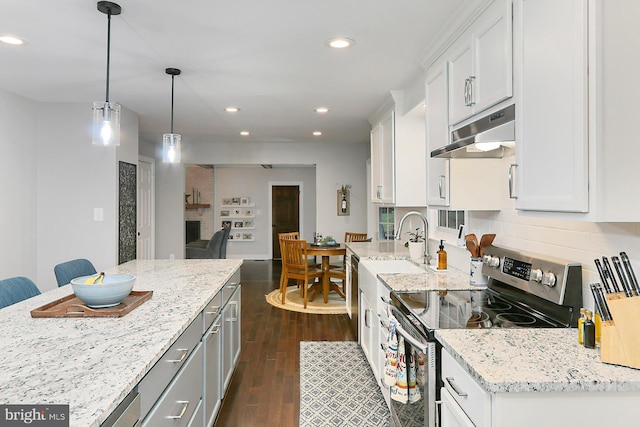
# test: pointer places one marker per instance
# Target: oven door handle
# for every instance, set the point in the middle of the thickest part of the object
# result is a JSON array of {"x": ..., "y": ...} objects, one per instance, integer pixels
[{"x": 422, "y": 346}]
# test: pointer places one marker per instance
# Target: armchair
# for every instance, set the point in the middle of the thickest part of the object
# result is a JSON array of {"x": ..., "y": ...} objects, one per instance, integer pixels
[{"x": 215, "y": 249}]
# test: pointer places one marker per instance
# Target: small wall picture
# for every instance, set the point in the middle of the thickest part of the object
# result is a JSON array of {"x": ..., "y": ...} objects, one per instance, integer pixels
[
  {"x": 237, "y": 224},
  {"x": 247, "y": 236},
  {"x": 237, "y": 236},
  {"x": 224, "y": 213},
  {"x": 247, "y": 212},
  {"x": 226, "y": 201},
  {"x": 237, "y": 212},
  {"x": 244, "y": 200},
  {"x": 247, "y": 223},
  {"x": 226, "y": 224},
  {"x": 235, "y": 200}
]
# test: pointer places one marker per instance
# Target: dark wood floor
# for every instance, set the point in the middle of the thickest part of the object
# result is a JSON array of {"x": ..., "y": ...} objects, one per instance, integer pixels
[{"x": 265, "y": 389}]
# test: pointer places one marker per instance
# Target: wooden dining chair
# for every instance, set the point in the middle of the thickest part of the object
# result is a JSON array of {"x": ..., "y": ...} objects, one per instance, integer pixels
[
  {"x": 355, "y": 237},
  {"x": 297, "y": 266},
  {"x": 284, "y": 280}
]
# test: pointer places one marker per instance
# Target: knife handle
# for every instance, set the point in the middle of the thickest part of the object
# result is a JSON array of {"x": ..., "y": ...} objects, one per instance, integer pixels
[
  {"x": 623, "y": 278},
  {"x": 630, "y": 273},
  {"x": 600, "y": 301},
  {"x": 602, "y": 276},
  {"x": 608, "y": 272}
]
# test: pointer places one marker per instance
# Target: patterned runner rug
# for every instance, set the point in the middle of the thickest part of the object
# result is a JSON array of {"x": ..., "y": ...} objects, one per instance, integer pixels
[{"x": 337, "y": 387}]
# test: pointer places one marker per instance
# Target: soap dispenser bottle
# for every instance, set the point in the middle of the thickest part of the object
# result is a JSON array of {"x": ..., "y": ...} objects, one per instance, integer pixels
[{"x": 442, "y": 257}]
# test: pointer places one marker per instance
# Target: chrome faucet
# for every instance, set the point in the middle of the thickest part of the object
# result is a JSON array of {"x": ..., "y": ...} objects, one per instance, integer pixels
[{"x": 427, "y": 257}]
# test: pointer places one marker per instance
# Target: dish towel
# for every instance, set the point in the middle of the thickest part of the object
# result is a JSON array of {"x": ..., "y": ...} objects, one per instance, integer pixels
[
  {"x": 391, "y": 355},
  {"x": 400, "y": 391}
]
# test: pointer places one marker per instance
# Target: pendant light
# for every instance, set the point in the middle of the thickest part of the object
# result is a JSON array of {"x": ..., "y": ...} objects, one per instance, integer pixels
[
  {"x": 106, "y": 115},
  {"x": 171, "y": 141}
]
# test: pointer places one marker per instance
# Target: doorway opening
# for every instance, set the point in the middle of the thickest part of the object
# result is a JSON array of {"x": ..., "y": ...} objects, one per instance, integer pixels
[{"x": 285, "y": 212}]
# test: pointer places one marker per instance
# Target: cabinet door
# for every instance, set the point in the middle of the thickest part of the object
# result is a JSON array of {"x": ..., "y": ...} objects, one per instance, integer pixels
[
  {"x": 493, "y": 62},
  {"x": 367, "y": 315},
  {"x": 212, "y": 371},
  {"x": 388, "y": 158},
  {"x": 451, "y": 414},
  {"x": 551, "y": 132},
  {"x": 461, "y": 79},
  {"x": 437, "y": 131},
  {"x": 230, "y": 337},
  {"x": 376, "y": 164}
]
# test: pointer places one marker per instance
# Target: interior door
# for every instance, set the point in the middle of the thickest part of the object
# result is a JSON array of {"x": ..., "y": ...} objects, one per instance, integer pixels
[{"x": 285, "y": 213}]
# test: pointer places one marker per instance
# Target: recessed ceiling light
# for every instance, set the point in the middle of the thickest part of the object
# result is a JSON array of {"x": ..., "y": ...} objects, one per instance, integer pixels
[
  {"x": 317, "y": 133},
  {"x": 322, "y": 110},
  {"x": 12, "y": 40},
  {"x": 340, "y": 42},
  {"x": 244, "y": 133},
  {"x": 232, "y": 109}
]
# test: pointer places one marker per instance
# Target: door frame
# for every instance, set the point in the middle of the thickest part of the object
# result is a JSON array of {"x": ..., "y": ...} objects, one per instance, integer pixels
[
  {"x": 272, "y": 184},
  {"x": 152, "y": 162}
]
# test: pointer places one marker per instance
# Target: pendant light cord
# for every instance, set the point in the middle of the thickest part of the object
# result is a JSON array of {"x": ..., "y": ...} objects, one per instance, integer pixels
[
  {"x": 172, "y": 77},
  {"x": 108, "y": 49}
]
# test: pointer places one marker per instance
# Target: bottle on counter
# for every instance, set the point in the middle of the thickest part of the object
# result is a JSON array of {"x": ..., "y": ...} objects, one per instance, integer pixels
[
  {"x": 581, "y": 319},
  {"x": 589, "y": 331},
  {"x": 442, "y": 257},
  {"x": 598, "y": 322}
]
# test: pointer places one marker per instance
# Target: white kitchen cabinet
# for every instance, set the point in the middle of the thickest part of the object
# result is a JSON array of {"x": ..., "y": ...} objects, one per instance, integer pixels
[
  {"x": 367, "y": 314},
  {"x": 212, "y": 342},
  {"x": 451, "y": 414},
  {"x": 382, "y": 160},
  {"x": 481, "y": 64},
  {"x": 577, "y": 102},
  {"x": 455, "y": 183},
  {"x": 398, "y": 164}
]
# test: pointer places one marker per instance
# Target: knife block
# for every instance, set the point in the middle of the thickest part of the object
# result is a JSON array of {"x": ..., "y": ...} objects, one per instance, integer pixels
[{"x": 620, "y": 338}]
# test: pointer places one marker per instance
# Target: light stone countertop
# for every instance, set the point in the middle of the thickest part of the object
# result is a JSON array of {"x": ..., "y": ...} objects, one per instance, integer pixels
[
  {"x": 449, "y": 280},
  {"x": 534, "y": 360},
  {"x": 93, "y": 363}
]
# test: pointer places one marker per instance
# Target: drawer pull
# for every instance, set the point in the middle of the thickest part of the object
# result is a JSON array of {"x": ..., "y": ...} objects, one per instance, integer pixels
[
  {"x": 234, "y": 315},
  {"x": 216, "y": 310},
  {"x": 184, "y": 351},
  {"x": 215, "y": 329},
  {"x": 455, "y": 387},
  {"x": 185, "y": 405}
]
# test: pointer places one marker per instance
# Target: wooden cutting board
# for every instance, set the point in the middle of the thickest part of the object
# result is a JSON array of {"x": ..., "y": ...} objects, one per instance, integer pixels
[{"x": 72, "y": 306}]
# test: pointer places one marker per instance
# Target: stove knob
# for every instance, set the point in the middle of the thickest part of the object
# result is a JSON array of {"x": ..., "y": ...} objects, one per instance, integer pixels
[
  {"x": 549, "y": 279},
  {"x": 536, "y": 275},
  {"x": 494, "y": 262},
  {"x": 486, "y": 259}
]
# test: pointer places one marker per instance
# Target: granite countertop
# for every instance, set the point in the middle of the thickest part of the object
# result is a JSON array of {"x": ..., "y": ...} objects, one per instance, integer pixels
[
  {"x": 383, "y": 249},
  {"x": 92, "y": 364},
  {"x": 534, "y": 360}
]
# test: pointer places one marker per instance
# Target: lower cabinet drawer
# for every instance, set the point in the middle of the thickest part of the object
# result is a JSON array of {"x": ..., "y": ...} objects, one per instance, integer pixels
[
  {"x": 467, "y": 393},
  {"x": 157, "y": 379},
  {"x": 181, "y": 399}
]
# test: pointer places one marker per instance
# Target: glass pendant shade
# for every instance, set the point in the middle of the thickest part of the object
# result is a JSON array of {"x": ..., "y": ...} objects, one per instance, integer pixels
[
  {"x": 106, "y": 124},
  {"x": 171, "y": 147}
]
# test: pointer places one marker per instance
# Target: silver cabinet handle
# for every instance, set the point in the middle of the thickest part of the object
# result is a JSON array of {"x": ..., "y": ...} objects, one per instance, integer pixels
[
  {"x": 471, "y": 97},
  {"x": 455, "y": 388},
  {"x": 216, "y": 310},
  {"x": 234, "y": 317},
  {"x": 215, "y": 329},
  {"x": 511, "y": 179},
  {"x": 185, "y": 405},
  {"x": 466, "y": 92},
  {"x": 366, "y": 318},
  {"x": 184, "y": 351},
  {"x": 441, "y": 179}
]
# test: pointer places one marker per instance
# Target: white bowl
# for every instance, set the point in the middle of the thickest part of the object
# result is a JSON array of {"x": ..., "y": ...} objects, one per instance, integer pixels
[{"x": 113, "y": 289}]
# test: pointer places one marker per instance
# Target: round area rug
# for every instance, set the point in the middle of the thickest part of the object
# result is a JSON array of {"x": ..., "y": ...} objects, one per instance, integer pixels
[{"x": 293, "y": 302}]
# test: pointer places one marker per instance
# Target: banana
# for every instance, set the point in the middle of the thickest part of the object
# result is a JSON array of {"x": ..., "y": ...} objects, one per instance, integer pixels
[{"x": 95, "y": 280}]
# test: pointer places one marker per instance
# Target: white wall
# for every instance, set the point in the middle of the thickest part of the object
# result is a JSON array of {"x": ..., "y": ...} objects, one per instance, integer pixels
[
  {"x": 254, "y": 182},
  {"x": 18, "y": 186},
  {"x": 335, "y": 165}
]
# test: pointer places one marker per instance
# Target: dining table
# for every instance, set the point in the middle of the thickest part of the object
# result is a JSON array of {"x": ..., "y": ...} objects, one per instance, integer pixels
[{"x": 326, "y": 252}]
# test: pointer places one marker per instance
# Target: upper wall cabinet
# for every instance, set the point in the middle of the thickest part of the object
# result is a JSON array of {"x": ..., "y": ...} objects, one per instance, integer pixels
[
  {"x": 481, "y": 64},
  {"x": 577, "y": 104},
  {"x": 398, "y": 172}
]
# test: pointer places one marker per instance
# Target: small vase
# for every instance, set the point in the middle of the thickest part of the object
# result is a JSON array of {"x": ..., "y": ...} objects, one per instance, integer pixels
[{"x": 416, "y": 250}]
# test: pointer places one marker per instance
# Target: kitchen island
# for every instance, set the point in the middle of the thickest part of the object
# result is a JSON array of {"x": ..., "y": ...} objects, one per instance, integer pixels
[
  {"x": 534, "y": 377},
  {"x": 92, "y": 364}
]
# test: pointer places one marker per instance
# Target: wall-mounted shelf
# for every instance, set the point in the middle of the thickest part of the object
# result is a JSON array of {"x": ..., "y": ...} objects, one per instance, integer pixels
[{"x": 197, "y": 206}]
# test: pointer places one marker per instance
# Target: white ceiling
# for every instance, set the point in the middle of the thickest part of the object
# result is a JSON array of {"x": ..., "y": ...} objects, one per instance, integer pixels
[{"x": 267, "y": 57}]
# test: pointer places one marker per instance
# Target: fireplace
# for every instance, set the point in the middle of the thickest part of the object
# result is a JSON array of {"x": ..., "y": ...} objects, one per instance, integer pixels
[{"x": 192, "y": 231}]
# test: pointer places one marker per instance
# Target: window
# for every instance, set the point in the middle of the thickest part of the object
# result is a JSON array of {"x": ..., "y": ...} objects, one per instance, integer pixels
[
  {"x": 386, "y": 221},
  {"x": 450, "y": 219}
]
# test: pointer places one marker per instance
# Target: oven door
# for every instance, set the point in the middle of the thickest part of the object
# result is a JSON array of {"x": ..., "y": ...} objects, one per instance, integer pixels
[{"x": 423, "y": 412}]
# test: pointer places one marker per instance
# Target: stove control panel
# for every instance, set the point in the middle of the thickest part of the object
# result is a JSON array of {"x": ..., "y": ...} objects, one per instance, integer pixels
[{"x": 543, "y": 276}]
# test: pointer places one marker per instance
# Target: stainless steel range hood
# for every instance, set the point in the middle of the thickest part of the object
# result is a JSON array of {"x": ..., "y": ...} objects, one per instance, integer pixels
[{"x": 488, "y": 137}]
